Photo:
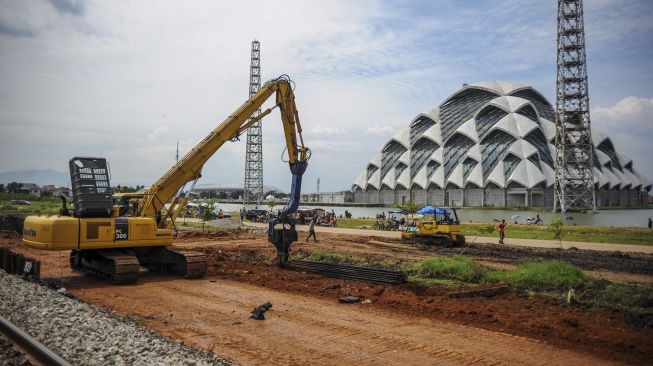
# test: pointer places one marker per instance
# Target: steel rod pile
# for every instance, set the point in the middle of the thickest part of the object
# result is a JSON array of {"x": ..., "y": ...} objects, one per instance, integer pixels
[{"x": 366, "y": 274}]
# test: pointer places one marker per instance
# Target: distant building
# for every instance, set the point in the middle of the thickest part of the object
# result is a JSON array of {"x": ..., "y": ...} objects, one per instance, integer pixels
[
  {"x": 49, "y": 187},
  {"x": 328, "y": 197},
  {"x": 31, "y": 189},
  {"x": 63, "y": 190},
  {"x": 488, "y": 144}
]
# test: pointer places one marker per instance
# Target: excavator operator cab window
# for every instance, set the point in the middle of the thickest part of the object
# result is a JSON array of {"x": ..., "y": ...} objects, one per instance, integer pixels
[{"x": 127, "y": 206}]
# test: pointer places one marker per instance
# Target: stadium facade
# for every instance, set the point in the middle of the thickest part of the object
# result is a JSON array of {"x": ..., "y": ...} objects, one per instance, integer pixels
[{"x": 489, "y": 144}]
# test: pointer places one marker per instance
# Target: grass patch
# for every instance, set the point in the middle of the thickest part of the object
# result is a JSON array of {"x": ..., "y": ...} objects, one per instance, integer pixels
[
  {"x": 630, "y": 296},
  {"x": 592, "y": 234},
  {"x": 534, "y": 276},
  {"x": 635, "y": 300},
  {"x": 542, "y": 276},
  {"x": 459, "y": 268},
  {"x": 355, "y": 223},
  {"x": 39, "y": 205},
  {"x": 448, "y": 283}
]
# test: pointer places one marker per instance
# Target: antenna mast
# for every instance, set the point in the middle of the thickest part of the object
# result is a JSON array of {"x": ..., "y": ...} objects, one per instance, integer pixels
[
  {"x": 253, "y": 187},
  {"x": 574, "y": 181}
]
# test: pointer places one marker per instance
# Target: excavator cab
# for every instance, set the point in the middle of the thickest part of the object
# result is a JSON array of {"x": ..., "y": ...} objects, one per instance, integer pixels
[{"x": 126, "y": 204}]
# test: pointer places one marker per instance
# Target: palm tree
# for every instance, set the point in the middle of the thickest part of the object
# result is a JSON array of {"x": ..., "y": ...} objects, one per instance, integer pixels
[{"x": 410, "y": 208}]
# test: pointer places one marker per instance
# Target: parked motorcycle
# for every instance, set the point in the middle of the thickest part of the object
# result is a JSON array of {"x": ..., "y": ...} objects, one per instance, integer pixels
[{"x": 534, "y": 221}]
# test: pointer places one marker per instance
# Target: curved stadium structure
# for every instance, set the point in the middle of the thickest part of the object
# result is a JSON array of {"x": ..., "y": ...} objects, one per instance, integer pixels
[{"x": 489, "y": 144}]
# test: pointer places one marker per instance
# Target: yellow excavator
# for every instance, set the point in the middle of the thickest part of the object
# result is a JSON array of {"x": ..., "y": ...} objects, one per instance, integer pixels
[{"x": 112, "y": 236}]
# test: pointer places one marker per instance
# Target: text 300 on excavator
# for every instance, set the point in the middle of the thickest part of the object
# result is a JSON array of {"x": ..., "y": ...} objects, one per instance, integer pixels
[{"x": 114, "y": 241}]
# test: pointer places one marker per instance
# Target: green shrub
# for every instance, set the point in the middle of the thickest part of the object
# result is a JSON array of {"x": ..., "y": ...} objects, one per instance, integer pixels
[
  {"x": 630, "y": 296},
  {"x": 458, "y": 267},
  {"x": 486, "y": 229},
  {"x": 545, "y": 275}
]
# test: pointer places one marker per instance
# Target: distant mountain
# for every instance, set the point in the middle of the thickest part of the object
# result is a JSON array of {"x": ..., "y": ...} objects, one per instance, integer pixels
[{"x": 40, "y": 177}]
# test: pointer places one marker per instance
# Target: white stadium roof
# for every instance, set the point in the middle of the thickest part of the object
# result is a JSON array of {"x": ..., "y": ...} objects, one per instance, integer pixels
[{"x": 496, "y": 132}]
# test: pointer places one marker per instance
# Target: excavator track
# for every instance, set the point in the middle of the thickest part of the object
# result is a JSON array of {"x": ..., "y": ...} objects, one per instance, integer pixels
[
  {"x": 120, "y": 267},
  {"x": 195, "y": 265},
  {"x": 180, "y": 263}
]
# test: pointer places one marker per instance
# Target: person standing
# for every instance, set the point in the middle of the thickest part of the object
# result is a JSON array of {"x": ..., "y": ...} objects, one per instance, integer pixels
[
  {"x": 650, "y": 223},
  {"x": 502, "y": 229},
  {"x": 311, "y": 229}
]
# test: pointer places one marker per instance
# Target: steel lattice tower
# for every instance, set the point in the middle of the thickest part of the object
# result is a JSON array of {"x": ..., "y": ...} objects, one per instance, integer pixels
[
  {"x": 253, "y": 187},
  {"x": 574, "y": 182}
]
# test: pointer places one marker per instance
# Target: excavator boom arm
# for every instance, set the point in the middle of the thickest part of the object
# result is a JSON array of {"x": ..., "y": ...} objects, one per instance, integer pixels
[{"x": 189, "y": 168}]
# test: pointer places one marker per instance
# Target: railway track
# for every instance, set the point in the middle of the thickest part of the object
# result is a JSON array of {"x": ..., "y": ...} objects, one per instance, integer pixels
[
  {"x": 33, "y": 348},
  {"x": 365, "y": 274}
]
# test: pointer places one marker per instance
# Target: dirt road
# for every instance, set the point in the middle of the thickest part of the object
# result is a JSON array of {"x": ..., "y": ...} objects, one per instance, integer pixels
[{"x": 300, "y": 330}]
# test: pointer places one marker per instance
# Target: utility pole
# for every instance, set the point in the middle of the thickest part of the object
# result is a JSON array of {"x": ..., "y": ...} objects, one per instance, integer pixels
[
  {"x": 253, "y": 187},
  {"x": 317, "y": 199},
  {"x": 177, "y": 156},
  {"x": 574, "y": 181}
]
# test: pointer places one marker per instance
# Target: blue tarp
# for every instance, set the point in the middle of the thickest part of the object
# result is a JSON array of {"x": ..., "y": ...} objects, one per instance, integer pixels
[{"x": 432, "y": 210}]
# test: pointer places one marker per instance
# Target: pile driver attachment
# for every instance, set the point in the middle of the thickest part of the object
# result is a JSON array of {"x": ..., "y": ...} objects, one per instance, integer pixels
[{"x": 281, "y": 229}]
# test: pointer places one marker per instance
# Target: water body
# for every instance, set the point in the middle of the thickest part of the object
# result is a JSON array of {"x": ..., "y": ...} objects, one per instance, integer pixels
[{"x": 620, "y": 218}]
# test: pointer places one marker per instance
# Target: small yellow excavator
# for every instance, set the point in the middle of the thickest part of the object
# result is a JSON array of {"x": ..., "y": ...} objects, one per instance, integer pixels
[
  {"x": 113, "y": 236},
  {"x": 438, "y": 228}
]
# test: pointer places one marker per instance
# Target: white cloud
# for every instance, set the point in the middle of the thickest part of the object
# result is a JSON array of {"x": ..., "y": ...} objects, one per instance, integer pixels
[
  {"x": 156, "y": 134},
  {"x": 629, "y": 124},
  {"x": 626, "y": 111},
  {"x": 319, "y": 130},
  {"x": 380, "y": 129}
]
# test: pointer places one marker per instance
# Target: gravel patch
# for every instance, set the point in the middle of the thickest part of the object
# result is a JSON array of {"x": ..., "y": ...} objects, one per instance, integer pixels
[
  {"x": 232, "y": 224},
  {"x": 88, "y": 335},
  {"x": 227, "y": 224}
]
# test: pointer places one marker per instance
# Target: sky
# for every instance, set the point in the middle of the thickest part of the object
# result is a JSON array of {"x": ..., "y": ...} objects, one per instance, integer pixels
[{"x": 127, "y": 80}]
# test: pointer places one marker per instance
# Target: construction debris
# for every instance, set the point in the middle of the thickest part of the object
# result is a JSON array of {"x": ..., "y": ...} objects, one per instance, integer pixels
[
  {"x": 350, "y": 299},
  {"x": 332, "y": 287},
  {"x": 259, "y": 312}
]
